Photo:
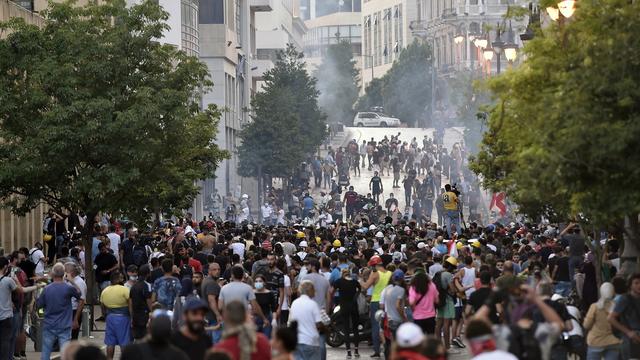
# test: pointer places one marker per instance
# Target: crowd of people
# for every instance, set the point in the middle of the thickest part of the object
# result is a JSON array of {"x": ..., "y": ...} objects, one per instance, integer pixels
[{"x": 402, "y": 284}]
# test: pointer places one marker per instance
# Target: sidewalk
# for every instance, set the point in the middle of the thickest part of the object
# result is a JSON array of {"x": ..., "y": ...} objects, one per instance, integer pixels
[{"x": 96, "y": 337}]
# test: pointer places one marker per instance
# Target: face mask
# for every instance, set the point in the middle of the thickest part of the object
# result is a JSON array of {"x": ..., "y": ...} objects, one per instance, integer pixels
[
  {"x": 259, "y": 285},
  {"x": 133, "y": 277}
]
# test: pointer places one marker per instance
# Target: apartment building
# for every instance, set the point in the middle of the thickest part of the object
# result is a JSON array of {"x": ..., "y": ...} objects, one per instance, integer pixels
[{"x": 385, "y": 32}]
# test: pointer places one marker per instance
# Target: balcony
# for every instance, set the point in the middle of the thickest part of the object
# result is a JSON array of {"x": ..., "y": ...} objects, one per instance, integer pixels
[{"x": 261, "y": 5}]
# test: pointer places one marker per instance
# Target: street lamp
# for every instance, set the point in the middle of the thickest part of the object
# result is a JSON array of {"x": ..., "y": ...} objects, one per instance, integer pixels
[
  {"x": 459, "y": 38},
  {"x": 487, "y": 53},
  {"x": 481, "y": 42},
  {"x": 566, "y": 8},
  {"x": 498, "y": 45},
  {"x": 510, "y": 48}
]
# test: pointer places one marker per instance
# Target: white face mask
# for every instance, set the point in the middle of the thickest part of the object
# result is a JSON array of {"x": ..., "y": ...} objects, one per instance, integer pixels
[{"x": 133, "y": 277}]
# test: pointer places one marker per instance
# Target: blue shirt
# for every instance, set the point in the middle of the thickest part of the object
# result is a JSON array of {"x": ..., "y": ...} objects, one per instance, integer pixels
[
  {"x": 56, "y": 302},
  {"x": 308, "y": 203},
  {"x": 94, "y": 249},
  {"x": 167, "y": 289}
]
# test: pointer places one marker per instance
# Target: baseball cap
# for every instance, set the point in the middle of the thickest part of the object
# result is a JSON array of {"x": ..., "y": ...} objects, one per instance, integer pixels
[
  {"x": 397, "y": 257},
  {"x": 379, "y": 234},
  {"x": 397, "y": 275},
  {"x": 421, "y": 245},
  {"x": 409, "y": 335},
  {"x": 303, "y": 244},
  {"x": 195, "y": 304}
]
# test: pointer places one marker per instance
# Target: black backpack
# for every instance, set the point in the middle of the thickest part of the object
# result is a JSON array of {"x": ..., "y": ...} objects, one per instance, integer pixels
[
  {"x": 524, "y": 344},
  {"x": 442, "y": 292}
]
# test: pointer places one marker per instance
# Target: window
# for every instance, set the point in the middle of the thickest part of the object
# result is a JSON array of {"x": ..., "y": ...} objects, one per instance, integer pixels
[
  {"x": 239, "y": 21},
  {"x": 211, "y": 12}
]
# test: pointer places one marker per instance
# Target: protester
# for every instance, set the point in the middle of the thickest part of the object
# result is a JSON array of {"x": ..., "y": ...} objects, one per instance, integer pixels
[
  {"x": 239, "y": 338},
  {"x": 191, "y": 337},
  {"x": 115, "y": 298},
  {"x": 58, "y": 313},
  {"x": 306, "y": 313},
  {"x": 625, "y": 319},
  {"x": 284, "y": 342},
  {"x": 157, "y": 345}
]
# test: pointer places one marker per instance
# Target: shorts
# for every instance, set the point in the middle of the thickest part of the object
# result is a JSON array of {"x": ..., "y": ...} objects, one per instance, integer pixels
[
  {"x": 458, "y": 310},
  {"x": 117, "y": 330},
  {"x": 447, "y": 311}
]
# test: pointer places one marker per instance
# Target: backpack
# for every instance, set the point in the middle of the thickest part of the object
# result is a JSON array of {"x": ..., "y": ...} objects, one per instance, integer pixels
[
  {"x": 524, "y": 344},
  {"x": 139, "y": 255},
  {"x": 442, "y": 292}
]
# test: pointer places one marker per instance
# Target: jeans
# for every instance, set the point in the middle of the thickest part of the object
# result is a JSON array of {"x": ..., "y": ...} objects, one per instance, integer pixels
[
  {"x": 50, "y": 336},
  {"x": 375, "y": 326},
  {"x": 452, "y": 217},
  {"x": 216, "y": 335},
  {"x": 323, "y": 347},
  {"x": 563, "y": 288},
  {"x": 307, "y": 352},
  {"x": 6, "y": 328},
  {"x": 263, "y": 328},
  {"x": 606, "y": 353},
  {"x": 16, "y": 327},
  {"x": 574, "y": 262}
]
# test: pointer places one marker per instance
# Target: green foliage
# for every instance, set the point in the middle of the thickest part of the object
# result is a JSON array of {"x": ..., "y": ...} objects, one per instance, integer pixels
[
  {"x": 405, "y": 90},
  {"x": 98, "y": 116},
  {"x": 287, "y": 123},
  {"x": 563, "y": 134},
  {"x": 338, "y": 81},
  {"x": 372, "y": 95}
]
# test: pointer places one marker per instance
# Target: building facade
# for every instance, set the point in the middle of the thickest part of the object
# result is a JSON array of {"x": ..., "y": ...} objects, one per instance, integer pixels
[
  {"x": 385, "y": 32},
  {"x": 311, "y": 9},
  {"x": 331, "y": 29}
]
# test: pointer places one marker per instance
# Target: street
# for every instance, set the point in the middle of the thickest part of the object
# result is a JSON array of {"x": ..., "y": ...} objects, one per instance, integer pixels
[{"x": 361, "y": 183}]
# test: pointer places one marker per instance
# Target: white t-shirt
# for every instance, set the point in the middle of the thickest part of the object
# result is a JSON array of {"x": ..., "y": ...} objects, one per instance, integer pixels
[
  {"x": 577, "y": 328},
  {"x": 83, "y": 291},
  {"x": 238, "y": 248},
  {"x": 287, "y": 285},
  {"x": 307, "y": 313},
  {"x": 114, "y": 240},
  {"x": 495, "y": 355},
  {"x": 37, "y": 257}
]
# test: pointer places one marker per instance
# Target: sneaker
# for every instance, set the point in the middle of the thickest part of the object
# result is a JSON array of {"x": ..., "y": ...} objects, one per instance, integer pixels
[
  {"x": 23, "y": 355},
  {"x": 376, "y": 355},
  {"x": 349, "y": 355},
  {"x": 457, "y": 342},
  {"x": 356, "y": 354}
]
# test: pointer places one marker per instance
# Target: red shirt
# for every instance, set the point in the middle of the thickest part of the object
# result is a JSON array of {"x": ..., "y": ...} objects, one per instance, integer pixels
[
  {"x": 230, "y": 345},
  {"x": 195, "y": 265}
]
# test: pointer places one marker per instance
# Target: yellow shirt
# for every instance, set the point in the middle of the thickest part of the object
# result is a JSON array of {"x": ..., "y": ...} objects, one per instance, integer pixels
[
  {"x": 115, "y": 296},
  {"x": 450, "y": 200}
]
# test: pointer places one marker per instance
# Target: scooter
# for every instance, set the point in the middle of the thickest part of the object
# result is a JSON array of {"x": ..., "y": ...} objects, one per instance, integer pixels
[{"x": 336, "y": 336}]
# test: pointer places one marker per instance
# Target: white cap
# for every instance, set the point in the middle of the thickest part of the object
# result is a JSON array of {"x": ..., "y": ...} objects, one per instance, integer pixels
[
  {"x": 492, "y": 247},
  {"x": 303, "y": 243},
  {"x": 421, "y": 245},
  {"x": 372, "y": 227},
  {"x": 409, "y": 335},
  {"x": 556, "y": 297},
  {"x": 379, "y": 234},
  {"x": 406, "y": 228},
  {"x": 245, "y": 196}
]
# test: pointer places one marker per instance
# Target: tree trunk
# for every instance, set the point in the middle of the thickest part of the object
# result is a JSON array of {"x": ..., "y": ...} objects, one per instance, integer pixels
[{"x": 629, "y": 257}]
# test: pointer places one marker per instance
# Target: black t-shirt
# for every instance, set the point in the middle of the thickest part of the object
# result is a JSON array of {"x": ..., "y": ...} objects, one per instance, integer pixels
[
  {"x": 193, "y": 349},
  {"x": 386, "y": 259},
  {"x": 104, "y": 261},
  {"x": 479, "y": 298},
  {"x": 147, "y": 351},
  {"x": 222, "y": 261},
  {"x": 155, "y": 275},
  {"x": 267, "y": 302},
  {"x": 29, "y": 269},
  {"x": 139, "y": 294},
  {"x": 562, "y": 272},
  {"x": 376, "y": 183},
  {"x": 218, "y": 249},
  {"x": 348, "y": 290}
]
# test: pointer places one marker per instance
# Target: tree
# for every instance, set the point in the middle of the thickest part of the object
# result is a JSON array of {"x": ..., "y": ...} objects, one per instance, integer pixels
[
  {"x": 405, "y": 90},
  {"x": 372, "y": 95},
  {"x": 287, "y": 123},
  {"x": 338, "y": 83},
  {"x": 563, "y": 133},
  {"x": 96, "y": 115}
]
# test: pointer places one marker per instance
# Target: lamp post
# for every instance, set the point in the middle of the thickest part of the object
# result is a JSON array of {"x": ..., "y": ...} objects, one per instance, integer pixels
[
  {"x": 510, "y": 48},
  {"x": 564, "y": 9},
  {"x": 498, "y": 44},
  {"x": 371, "y": 57}
]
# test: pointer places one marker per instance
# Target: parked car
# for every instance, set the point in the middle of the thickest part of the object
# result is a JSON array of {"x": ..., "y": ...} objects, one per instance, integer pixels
[{"x": 374, "y": 119}]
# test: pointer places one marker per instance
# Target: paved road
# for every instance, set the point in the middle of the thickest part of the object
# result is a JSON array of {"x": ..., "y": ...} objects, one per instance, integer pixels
[{"x": 361, "y": 183}]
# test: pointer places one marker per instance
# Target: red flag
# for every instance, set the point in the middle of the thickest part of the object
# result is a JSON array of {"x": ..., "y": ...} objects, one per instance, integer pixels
[{"x": 497, "y": 201}]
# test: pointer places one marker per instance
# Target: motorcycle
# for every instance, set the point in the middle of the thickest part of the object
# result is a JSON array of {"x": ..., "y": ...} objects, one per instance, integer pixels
[{"x": 336, "y": 336}]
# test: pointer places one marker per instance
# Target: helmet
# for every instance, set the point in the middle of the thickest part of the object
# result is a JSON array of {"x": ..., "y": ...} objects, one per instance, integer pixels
[
  {"x": 372, "y": 227},
  {"x": 476, "y": 244},
  {"x": 303, "y": 244},
  {"x": 318, "y": 240},
  {"x": 459, "y": 245},
  {"x": 375, "y": 260},
  {"x": 453, "y": 261},
  {"x": 200, "y": 236},
  {"x": 299, "y": 235},
  {"x": 47, "y": 237},
  {"x": 337, "y": 243},
  {"x": 379, "y": 234}
]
